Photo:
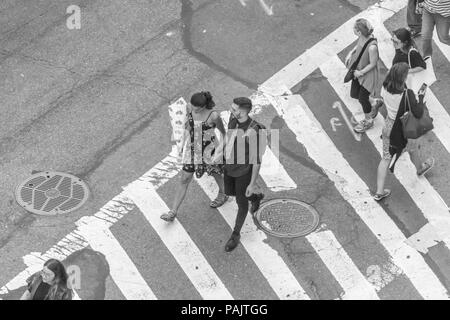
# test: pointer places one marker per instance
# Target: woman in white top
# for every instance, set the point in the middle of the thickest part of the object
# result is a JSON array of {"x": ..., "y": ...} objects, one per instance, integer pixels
[{"x": 394, "y": 93}]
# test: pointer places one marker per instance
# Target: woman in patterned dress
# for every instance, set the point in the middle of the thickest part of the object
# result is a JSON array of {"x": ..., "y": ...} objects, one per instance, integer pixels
[{"x": 201, "y": 124}]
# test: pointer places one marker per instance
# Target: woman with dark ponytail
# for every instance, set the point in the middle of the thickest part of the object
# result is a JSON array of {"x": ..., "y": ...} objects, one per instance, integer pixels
[
  {"x": 406, "y": 52},
  {"x": 202, "y": 121}
]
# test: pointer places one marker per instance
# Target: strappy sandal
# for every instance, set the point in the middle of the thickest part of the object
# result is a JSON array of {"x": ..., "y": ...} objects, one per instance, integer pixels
[
  {"x": 169, "y": 216},
  {"x": 219, "y": 200},
  {"x": 378, "y": 197}
]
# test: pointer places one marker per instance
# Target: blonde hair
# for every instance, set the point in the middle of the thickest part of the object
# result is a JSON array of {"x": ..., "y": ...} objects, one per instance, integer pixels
[{"x": 364, "y": 27}]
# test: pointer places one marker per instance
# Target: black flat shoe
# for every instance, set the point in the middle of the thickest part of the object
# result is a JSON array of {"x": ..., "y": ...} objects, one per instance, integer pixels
[
  {"x": 233, "y": 242},
  {"x": 255, "y": 204}
]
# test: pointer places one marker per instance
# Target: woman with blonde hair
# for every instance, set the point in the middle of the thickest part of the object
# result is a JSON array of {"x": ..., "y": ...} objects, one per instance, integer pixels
[{"x": 365, "y": 85}]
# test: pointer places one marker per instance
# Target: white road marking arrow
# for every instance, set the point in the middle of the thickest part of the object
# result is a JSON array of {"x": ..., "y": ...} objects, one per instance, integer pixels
[{"x": 337, "y": 105}]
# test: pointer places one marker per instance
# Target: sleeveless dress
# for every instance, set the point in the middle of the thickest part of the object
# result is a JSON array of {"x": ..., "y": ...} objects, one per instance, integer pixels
[
  {"x": 371, "y": 80},
  {"x": 200, "y": 166}
]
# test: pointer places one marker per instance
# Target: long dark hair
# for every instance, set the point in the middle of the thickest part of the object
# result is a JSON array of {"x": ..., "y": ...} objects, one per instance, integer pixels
[
  {"x": 394, "y": 82},
  {"x": 61, "y": 277},
  {"x": 203, "y": 99},
  {"x": 404, "y": 35}
]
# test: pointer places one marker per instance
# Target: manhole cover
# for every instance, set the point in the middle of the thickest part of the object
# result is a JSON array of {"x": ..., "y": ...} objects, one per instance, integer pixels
[
  {"x": 287, "y": 218},
  {"x": 51, "y": 193}
]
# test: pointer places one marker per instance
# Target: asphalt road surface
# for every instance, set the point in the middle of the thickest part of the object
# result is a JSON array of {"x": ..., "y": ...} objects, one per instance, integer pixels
[{"x": 94, "y": 102}]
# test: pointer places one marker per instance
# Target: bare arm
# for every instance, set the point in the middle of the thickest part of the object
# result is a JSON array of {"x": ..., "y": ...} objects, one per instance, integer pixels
[{"x": 373, "y": 58}]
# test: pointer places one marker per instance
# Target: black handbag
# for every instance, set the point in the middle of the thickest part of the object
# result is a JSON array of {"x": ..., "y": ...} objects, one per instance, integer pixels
[
  {"x": 350, "y": 73},
  {"x": 355, "y": 88},
  {"x": 413, "y": 127}
]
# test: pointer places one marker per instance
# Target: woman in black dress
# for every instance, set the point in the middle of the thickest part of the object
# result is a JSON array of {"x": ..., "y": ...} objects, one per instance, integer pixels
[
  {"x": 201, "y": 124},
  {"x": 49, "y": 284}
]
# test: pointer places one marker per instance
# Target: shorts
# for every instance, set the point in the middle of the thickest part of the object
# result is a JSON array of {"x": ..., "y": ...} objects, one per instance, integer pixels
[{"x": 385, "y": 133}]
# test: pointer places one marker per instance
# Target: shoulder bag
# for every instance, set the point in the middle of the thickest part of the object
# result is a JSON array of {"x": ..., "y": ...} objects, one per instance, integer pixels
[{"x": 413, "y": 127}]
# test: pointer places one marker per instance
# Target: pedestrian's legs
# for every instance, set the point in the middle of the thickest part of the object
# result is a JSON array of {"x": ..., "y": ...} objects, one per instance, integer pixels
[
  {"x": 383, "y": 168},
  {"x": 415, "y": 153},
  {"x": 413, "y": 19},
  {"x": 185, "y": 180},
  {"x": 240, "y": 185},
  {"x": 242, "y": 201},
  {"x": 221, "y": 197},
  {"x": 427, "y": 33},
  {"x": 364, "y": 100},
  {"x": 443, "y": 28},
  {"x": 219, "y": 180}
]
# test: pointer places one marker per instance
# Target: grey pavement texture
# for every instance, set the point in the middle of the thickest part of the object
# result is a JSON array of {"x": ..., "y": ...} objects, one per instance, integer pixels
[{"x": 93, "y": 102}]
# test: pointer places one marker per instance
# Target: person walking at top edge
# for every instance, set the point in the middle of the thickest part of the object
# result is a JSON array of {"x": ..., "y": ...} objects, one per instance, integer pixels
[
  {"x": 414, "y": 18},
  {"x": 242, "y": 166},
  {"x": 435, "y": 13},
  {"x": 366, "y": 73}
]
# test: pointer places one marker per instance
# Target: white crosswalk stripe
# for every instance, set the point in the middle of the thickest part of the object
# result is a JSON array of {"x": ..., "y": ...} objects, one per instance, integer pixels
[
  {"x": 122, "y": 269},
  {"x": 354, "y": 284},
  {"x": 142, "y": 194}
]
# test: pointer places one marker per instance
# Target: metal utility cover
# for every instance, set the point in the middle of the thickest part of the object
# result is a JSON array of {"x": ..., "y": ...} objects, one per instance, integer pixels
[
  {"x": 51, "y": 193},
  {"x": 287, "y": 218}
]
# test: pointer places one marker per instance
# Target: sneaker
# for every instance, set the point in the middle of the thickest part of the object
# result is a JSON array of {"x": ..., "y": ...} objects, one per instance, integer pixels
[
  {"x": 233, "y": 242},
  {"x": 363, "y": 125},
  {"x": 415, "y": 33},
  {"x": 255, "y": 204},
  {"x": 426, "y": 166},
  {"x": 378, "y": 197},
  {"x": 376, "y": 107}
]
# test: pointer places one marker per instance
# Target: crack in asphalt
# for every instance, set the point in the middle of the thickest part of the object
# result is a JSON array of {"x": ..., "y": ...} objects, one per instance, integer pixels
[{"x": 187, "y": 13}]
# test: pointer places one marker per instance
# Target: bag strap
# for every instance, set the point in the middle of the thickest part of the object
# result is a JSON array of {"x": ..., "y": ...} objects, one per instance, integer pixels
[
  {"x": 407, "y": 101},
  {"x": 355, "y": 64},
  {"x": 409, "y": 55}
]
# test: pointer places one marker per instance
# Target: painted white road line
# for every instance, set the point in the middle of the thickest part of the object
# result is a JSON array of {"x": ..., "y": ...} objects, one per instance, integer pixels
[
  {"x": 329, "y": 46},
  {"x": 272, "y": 171},
  {"x": 441, "y": 118},
  {"x": 111, "y": 212},
  {"x": 425, "y": 238},
  {"x": 354, "y": 284},
  {"x": 178, "y": 242},
  {"x": 337, "y": 105},
  {"x": 271, "y": 265},
  {"x": 423, "y": 194},
  {"x": 321, "y": 149},
  {"x": 122, "y": 269}
]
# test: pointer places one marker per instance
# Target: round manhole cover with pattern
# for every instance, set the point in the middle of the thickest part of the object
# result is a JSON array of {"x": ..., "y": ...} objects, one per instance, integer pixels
[
  {"x": 51, "y": 193},
  {"x": 287, "y": 218}
]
